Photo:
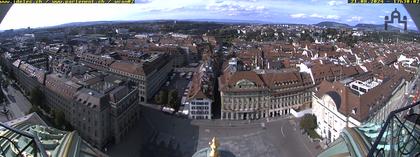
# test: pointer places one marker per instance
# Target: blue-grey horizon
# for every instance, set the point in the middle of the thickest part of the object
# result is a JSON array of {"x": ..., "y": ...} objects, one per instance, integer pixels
[{"x": 269, "y": 11}]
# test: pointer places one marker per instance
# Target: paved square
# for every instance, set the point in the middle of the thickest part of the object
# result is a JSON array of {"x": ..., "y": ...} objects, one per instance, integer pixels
[{"x": 161, "y": 135}]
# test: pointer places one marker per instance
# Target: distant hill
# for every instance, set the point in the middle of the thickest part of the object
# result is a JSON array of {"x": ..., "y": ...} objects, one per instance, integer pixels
[
  {"x": 88, "y": 23},
  {"x": 361, "y": 26},
  {"x": 227, "y": 21},
  {"x": 332, "y": 24},
  {"x": 328, "y": 24},
  {"x": 376, "y": 27}
]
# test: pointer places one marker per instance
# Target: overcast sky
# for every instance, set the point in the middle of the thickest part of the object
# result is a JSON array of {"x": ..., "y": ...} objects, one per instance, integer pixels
[{"x": 278, "y": 11}]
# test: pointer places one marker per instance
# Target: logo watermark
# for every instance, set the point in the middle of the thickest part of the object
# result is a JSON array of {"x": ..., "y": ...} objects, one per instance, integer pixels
[{"x": 396, "y": 15}]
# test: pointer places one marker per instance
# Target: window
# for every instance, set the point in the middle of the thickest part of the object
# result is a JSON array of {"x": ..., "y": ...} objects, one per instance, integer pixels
[{"x": 354, "y": 111}]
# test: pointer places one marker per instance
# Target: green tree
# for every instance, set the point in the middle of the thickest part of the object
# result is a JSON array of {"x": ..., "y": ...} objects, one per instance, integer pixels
[
  {"x": 37, "y": 97},
  {"x": 59, "y": 119},
  {"x": 45, "y": 39},
  {"x": 173, "y": 99},
  {"x": 308, "y": 122},
  {"x": 46, "y": 108},
  {"x": 12, "y": 75},
  {"x": 157, "y": 98},
  {"x": 2, "y": 97},
  {"x": 163, "y": 96}
]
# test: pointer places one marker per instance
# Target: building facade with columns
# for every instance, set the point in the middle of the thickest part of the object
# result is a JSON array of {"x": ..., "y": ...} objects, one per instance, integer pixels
[{"x": 248, "y": 95}]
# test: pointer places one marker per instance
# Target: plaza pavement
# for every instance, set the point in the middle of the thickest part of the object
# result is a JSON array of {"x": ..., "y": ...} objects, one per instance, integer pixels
[
  {"x": 279, "y": 138},
  {"x": 160, "y": 135}
]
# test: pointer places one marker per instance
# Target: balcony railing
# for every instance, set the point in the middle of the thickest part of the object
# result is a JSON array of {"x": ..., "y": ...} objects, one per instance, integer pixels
[
  {"x": 14, "y": 142},
  {"x": 399, "y": 134}
]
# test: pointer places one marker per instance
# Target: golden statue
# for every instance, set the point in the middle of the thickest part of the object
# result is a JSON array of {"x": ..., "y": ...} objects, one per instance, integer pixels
[{"x": 214, "y": 144}]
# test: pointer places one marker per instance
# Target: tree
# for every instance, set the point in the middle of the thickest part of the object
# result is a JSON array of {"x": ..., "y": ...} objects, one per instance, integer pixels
[
  {"x": 308, "y": 122},
  {"x": 157, "y": 98},
  {"x": 59, "y": 119},
  {"x": 173, "y": 100},
  {"x": 37, "y": 97},
  {"x": 12, "y": 75},
  {"x": 45, "y": 39},
  {"x": 46, "y": 108},
  {"x": 163, "y": 96},
  {"x": 2, "y": 97}
]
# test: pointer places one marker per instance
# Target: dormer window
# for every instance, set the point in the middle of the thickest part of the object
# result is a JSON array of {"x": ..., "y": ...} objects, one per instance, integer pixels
[
  {"x": 354, "y": 111},
  {"x": 245, "y": 84}
]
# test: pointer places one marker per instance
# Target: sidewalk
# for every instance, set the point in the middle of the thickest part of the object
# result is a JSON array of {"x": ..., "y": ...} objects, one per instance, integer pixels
[
  {"x": 20, "y": 105},
  {"x": 233, "y": 123},
  {"x": 225, "y": 123},
  {"x": 12, "y": 106},
  {"x": 152, "y": 106}
]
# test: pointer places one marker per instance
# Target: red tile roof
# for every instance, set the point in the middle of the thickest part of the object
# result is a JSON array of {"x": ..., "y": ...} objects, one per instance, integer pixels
[{"x": 129, "y": 67}]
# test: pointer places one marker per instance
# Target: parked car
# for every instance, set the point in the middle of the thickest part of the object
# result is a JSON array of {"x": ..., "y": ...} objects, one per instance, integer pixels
[
  {"x": 182, "y": 114},
  {"x": 168, "y": 110}
]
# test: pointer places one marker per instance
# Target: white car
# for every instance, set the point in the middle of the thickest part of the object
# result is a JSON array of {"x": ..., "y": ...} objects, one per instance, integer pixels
[
  {"x": 168, "y": 110},
  {"x": 183, "y": 113}
]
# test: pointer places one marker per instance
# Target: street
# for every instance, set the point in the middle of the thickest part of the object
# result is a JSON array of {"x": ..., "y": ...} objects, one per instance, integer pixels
[{"x": 18, "y": 104}]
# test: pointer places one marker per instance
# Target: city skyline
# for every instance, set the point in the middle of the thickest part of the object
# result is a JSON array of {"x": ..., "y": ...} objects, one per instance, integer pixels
[{"x": 266, "y": 11}]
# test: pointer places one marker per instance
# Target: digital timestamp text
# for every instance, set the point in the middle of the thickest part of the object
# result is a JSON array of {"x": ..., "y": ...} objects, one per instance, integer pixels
[
  {"x": 66, "y": 1},
  {"x": 385, "y": 1}
]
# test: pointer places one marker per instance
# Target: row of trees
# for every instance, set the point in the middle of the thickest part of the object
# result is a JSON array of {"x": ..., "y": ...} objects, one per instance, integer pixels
[
  {"x": 169, "y": 99},
  {"x": 37, "y": 98},
  {"x": 57, "y": 117},
  {"x": 2, "y": 96}
]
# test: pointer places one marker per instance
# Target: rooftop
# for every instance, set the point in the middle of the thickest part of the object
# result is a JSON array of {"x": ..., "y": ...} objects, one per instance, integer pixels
[
  {"x": 363, "y": 87},
  {"x": 29, "y": 136}
]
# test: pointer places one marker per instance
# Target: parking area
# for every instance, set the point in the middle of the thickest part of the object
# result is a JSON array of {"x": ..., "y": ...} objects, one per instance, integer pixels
[{"x": 179, "y": 81}]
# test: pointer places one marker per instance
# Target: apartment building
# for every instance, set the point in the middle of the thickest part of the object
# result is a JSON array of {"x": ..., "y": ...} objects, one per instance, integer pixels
[{"x": 353, "y": 101}]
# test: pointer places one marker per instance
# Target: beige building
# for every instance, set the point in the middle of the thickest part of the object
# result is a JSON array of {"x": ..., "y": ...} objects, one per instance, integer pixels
[
  {"x": 150, "y": 75},
  {"x": 90, "y": 115},
  {"x": 101, "y": 108},
  {"x": 149, "y": 71},
  {"x": 200, "y": 94},
  {"x": 251, "y": 95},
  {"x": 125, "y": 110}
]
